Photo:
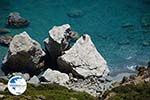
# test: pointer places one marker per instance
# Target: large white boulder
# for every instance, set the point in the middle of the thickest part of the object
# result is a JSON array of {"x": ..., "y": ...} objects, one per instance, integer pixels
[
  {"x": 54, "y": 76},
  {"x": 24, "y": 54},
  {"x": 53, "y": 43},
  {"x": 83, "y": 59}
]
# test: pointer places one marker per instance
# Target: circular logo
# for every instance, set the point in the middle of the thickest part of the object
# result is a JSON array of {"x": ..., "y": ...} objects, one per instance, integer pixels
[{"x": 17, "y": 85}]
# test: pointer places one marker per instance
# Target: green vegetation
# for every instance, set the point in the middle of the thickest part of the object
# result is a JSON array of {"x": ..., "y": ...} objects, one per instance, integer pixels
[
  {"x": 131, "y": 92},
  {"x": 48, "y": 92}
]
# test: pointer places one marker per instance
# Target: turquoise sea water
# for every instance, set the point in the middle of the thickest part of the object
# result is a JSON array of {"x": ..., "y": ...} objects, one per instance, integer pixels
[{"x": 102, "y": 19}]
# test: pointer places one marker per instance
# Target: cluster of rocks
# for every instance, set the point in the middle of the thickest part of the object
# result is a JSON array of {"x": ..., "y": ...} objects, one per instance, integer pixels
[
  {"x": 143, "y": 75},
  {"x": 14, "y": 20},
  {"x": 80, "y": 67}
]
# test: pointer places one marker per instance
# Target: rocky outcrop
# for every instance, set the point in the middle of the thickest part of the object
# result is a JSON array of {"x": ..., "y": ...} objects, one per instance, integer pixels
[
  {"x": 24, "y": 55},
  {"x": 83, "y": 59},
  {"x": 5, "y": 40},
  {"x": 58, "y": 41},
  {"x": 54, "y": 76},
  {"x": 15, "y": 20}
]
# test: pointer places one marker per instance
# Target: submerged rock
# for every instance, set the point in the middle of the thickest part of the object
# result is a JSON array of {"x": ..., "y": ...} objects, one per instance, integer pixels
[
  {"x": 54, "y": 76},
  {"x": 75, "y": 13},
  {"x": 83, "y": 59},
  {"x": 58, "y": 41},
  {"x": 145, "y": 21},
  {"x": 5, "y": 40},
  {"x": 15, "y": 20},
  {"x": 4, "y": 31},
  {"x": 127, "y": 25},
  {"x": 146, "y": 43},
  {"x": 24, "y": 55}
]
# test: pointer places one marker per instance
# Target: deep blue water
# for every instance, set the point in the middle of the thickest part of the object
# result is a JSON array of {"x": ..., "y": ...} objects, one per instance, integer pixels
[{"x": 102, "y": 19}]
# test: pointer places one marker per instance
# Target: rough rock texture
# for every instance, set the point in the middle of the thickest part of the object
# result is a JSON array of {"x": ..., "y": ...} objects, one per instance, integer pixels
[
  {"x": 5, "y": 40},
  {"x": 15, "y": 20},
  {"x": 34, "y": 80},
  {"x": 24, "y": 55},
  {"x": 54, "y": 76},
  {"x": 53, "y": 43},
  {"x": 92, "y": 85},
  {"x": 83, "y": 59}
]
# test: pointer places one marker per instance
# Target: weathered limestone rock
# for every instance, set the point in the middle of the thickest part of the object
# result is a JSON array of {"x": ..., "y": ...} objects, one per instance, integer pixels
[
  {"x": 83, "y": 59},
  {"x": 24, "y": 55},
  {"x": 58, "y": 41},
  {"x": 34, "y": 80},
  {"x": 54, "y": 76}
]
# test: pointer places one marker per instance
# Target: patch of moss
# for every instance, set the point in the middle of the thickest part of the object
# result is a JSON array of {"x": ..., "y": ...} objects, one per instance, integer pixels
[
  {"x": 131, "y": 92},
  {"x": 50, "y": 92}
]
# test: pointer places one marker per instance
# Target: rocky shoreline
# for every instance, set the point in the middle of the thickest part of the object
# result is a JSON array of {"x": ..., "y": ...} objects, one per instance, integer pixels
[{"x": 76, "y": 65}]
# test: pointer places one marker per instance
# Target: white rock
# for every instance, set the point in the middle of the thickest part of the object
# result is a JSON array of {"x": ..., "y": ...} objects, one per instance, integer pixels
[
  {"x": 34, "y": 80},
  {"x": 57, "y": 32},
  {"x": 24, "y": 53},
  {"x": 54, "y": 76},
  {"x": 83, "y": 59},
  {"x": 53, "y": 43}
]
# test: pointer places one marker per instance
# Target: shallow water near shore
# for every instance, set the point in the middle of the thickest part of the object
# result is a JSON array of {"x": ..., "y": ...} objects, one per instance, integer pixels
[{"x": 115, "y": 26}]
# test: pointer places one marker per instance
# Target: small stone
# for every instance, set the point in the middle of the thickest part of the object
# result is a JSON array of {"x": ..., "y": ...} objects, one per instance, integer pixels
[
  {"x": 34, "y": 80},
  {"x": 2, "y": 87},
  {"x": 2, "y": 96},
  {"x": 54, "y": 76},
  {"x": 41, "y": 97},
  {"x": 147, "y": 80}
]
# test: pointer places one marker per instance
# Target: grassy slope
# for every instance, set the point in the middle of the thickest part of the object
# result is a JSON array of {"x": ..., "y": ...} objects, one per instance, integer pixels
[
  {"x": 131, "y": 92},
  {"x": 49, "y": 91}
]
